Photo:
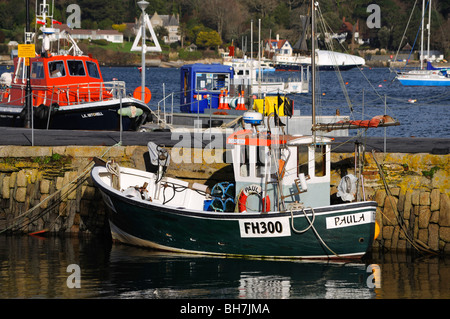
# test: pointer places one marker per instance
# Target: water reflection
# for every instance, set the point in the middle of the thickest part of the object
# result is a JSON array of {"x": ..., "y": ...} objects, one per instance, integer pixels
[{"x": 37, "y": 268}]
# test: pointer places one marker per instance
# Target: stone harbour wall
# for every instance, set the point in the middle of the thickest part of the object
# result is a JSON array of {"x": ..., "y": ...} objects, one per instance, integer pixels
[
  {"x": 412, "y": 192},
  {"x": 49, "y": 189}
]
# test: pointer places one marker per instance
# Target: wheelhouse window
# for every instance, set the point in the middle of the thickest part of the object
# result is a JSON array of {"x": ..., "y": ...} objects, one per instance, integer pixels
[
  {"x": 76, "y": 68},
  {"x": 245, "y": 158},
  {"x": 92, "y": 70},
  {"x": 56, "y": 69},
  {"x": 260, "y": 160},
  {"x": 302, "y": 160},
  {"x": 37, "y": 70},
  {"x": 320, "y": 161},
  {"x": 212, "y": 81}
]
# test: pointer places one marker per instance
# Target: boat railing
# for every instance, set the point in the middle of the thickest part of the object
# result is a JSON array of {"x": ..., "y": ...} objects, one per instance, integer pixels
[{"x": 74, "y": 94}]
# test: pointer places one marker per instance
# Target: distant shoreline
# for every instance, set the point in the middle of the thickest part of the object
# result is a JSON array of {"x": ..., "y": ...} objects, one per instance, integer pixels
[{"x": 7, "y": 61}]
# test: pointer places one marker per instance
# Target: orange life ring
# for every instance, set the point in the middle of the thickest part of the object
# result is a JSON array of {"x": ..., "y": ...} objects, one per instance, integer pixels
[
  {"x": 137, "y": 94},
  {"x": 252, "y": 190}
]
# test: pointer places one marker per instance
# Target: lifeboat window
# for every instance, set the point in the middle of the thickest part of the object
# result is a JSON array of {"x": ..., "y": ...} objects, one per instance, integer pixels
[
  {"x": 56, "y": 69},
  {"x": 320, "y": 161},
  {"x": 92, "y": 70},
  {"x": 76, "y": 68},
  {"x": 302, "y": 159},
  {"x": 20, "y": 73},
  {"x": 37, "y": 70}
]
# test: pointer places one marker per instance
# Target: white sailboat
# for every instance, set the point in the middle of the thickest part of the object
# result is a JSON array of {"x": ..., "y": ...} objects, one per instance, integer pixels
[{"x": 430, "y": 76}]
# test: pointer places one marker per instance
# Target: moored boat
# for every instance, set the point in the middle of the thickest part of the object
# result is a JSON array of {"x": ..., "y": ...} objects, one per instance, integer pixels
[
  {"x": 68, "y": 91},
  {"x": 268, "y": 210},
  {"x": 277, "y": 204}
]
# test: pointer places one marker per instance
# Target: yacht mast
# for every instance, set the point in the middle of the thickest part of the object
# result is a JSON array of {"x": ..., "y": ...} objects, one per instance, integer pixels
[
  {"x": 429, "y": 30},
  {"x": 313, "y": 67},
  {"x": 421, "y": 37}
]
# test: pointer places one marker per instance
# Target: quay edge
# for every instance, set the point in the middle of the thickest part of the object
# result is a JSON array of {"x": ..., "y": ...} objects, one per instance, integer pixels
[{"x": 36, "y": 193}]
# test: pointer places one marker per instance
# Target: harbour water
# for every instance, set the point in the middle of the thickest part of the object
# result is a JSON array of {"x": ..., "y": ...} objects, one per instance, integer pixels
[
  {"x": 49, "y": 267},
  {"x": 368, "y": 92},
  {"x": 40, "y": 267},
  {"x": 360, "y": 93}
]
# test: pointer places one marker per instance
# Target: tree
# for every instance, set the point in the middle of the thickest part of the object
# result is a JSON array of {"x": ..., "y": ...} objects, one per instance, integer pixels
[
  {"x": 208, "y": 39},
  {"x": 120, "y": 27},
  {"x": 383, "y": 37},
  {"x": 161, "y": 32}
]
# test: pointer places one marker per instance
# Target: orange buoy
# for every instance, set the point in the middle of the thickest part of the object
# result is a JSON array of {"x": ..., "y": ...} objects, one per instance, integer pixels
[
  {"x": 137, "y": 94},
  {"x": 377, "y": 231}
]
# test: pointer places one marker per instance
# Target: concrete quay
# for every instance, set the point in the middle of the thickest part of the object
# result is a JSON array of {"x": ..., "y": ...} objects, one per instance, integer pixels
[{"x": 23, "y": 137}]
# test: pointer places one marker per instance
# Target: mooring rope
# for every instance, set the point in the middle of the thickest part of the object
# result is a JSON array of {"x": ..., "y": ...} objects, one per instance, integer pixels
[
  {"x": 72, "y": 183},
  {"x": 311, "y": 226},
  {"x": 418, "y": 245}
]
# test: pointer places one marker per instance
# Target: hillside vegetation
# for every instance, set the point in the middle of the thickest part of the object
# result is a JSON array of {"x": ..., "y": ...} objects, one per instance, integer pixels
[{"x": 231, "y": 18}]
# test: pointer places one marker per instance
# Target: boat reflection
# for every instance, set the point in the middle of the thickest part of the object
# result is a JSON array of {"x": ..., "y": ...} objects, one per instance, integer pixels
[
  {"x": 168, "y": 275},
  {"x": 33, "y": 267}
]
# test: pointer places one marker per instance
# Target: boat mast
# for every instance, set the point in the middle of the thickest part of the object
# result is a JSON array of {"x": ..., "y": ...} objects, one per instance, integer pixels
[
  {"x": 429, "y": 30},
  {"x": 28, "y": 100},
  {"x": 421, "y": 38},
  {"x": 313, "y": 68}
]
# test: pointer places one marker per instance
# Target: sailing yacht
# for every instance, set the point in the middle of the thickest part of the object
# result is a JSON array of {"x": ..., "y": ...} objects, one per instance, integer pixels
[{"x": 430, "y": 76}]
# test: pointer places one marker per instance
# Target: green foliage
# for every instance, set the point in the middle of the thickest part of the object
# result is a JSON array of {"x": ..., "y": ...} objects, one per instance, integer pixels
[
  {"x": 431, "y": 172},
  {"x": 189, "y": 56},
  {"x": 207, "y": 39},
  {"x": 281, "y": 16},
  {"x": 102, "y": 42}
]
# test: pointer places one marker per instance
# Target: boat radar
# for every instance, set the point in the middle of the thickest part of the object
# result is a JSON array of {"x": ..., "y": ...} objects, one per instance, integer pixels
[{"x": 253, "y": 118}]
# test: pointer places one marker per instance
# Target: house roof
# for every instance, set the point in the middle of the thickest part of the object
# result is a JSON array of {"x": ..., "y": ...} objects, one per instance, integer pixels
[
  {"x": 167, "y": 20},
  {"x": 276, "y": 44},
  {"x": 86, "y": 31}
]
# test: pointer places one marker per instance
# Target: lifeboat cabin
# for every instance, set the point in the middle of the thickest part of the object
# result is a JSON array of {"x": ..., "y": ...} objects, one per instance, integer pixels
[
  {"x": 64, "y": 80},
  {"x": 279, "y": 169}
]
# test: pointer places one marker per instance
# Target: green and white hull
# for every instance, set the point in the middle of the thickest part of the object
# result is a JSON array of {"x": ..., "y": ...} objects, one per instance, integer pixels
[{"x": 335, "y": 231}]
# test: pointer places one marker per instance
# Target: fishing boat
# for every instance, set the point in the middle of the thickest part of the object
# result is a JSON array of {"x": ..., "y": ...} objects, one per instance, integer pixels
[
  {"x": 429, "y": 76},
  {"x": 251, "y": 75},
  {"x": 67, "y": 88},
  {"x": 276, "y": 205}
]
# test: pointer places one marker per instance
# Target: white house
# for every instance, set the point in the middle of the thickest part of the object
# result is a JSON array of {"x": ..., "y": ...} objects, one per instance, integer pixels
[
  {"x": 113, "y": 36},
  {"x": 278, "y": 47}
]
